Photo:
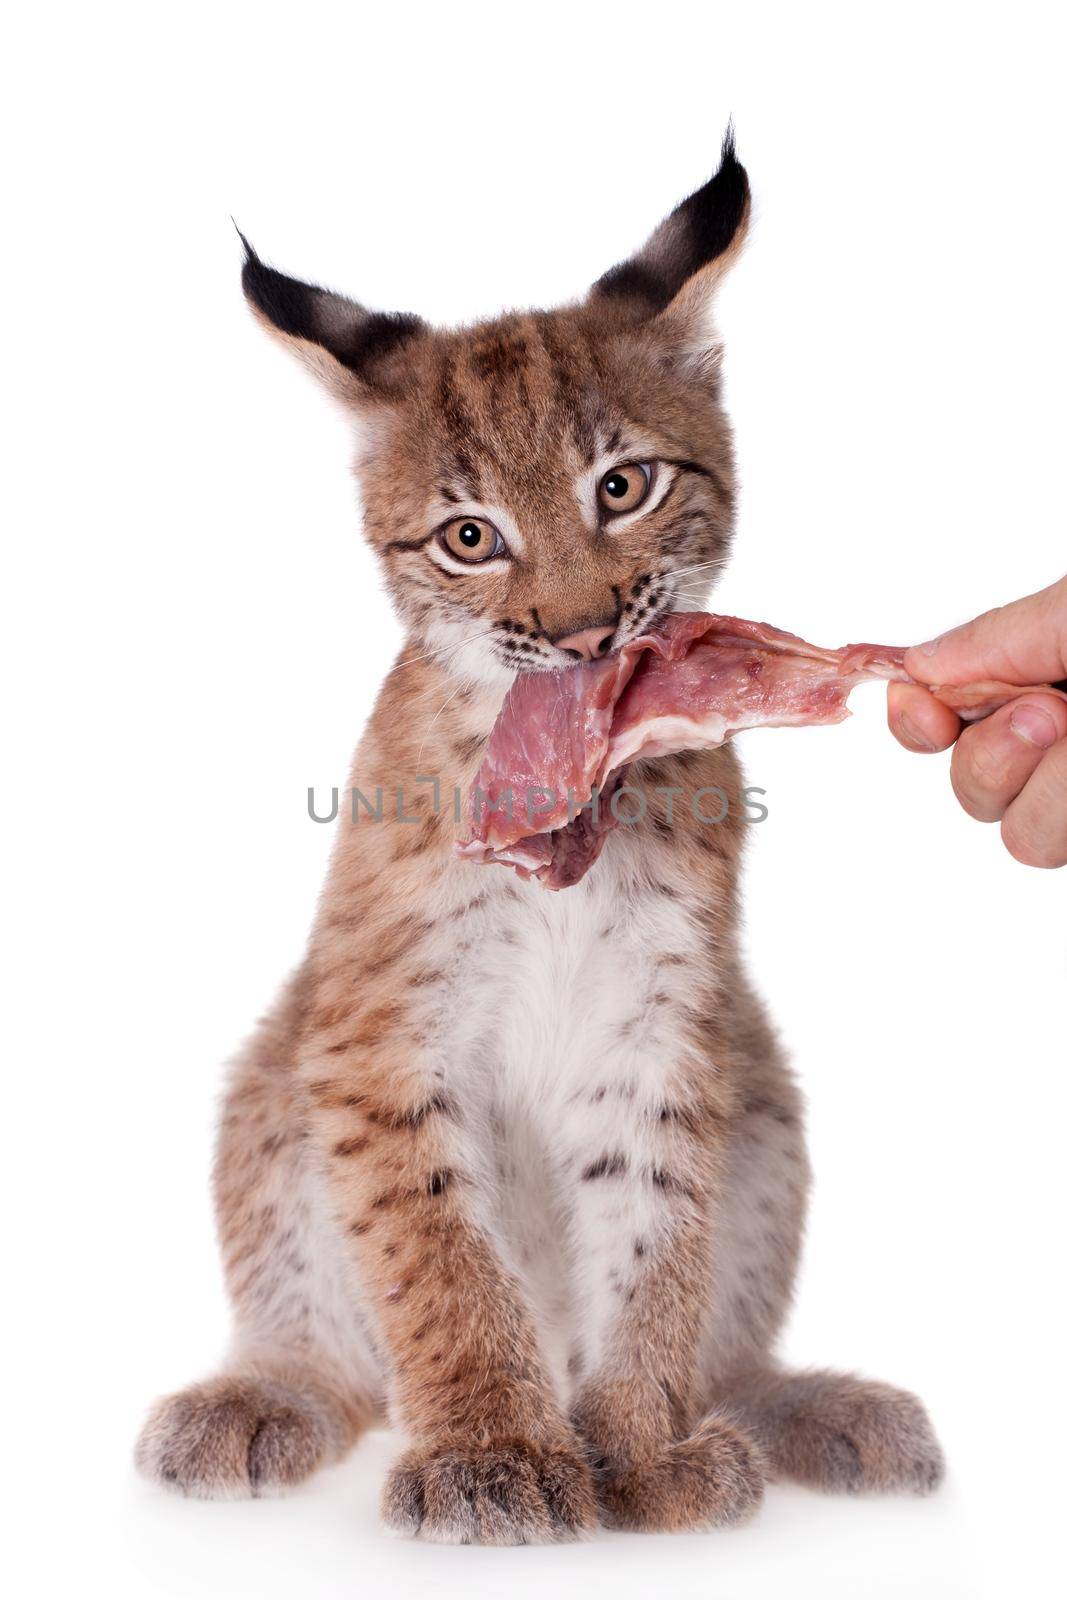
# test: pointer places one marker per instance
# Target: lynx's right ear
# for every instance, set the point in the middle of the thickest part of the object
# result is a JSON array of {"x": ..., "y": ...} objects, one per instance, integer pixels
[{"x": 351, "y": 350}]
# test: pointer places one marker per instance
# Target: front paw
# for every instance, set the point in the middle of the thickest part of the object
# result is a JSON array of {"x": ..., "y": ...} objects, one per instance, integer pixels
[
  {"x": 510, "y": 1492},
  {"x": 713, "y": 1478}
]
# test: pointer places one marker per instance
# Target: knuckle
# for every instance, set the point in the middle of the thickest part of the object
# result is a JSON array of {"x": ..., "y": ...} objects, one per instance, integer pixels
[
  {"x": 989, "y": 763},
  {"x": 980, "y": 775},
  {"x": 1029, "y": 846}
]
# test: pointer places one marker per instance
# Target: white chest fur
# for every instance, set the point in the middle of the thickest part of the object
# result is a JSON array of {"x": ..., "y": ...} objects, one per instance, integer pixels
[
  {"x": 561, "y": 992},
  {"x": 561, "y": 1031}
]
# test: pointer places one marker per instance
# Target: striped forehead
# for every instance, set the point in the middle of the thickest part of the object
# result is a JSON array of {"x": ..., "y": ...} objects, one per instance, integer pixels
[{"x": 517, "y": 403}]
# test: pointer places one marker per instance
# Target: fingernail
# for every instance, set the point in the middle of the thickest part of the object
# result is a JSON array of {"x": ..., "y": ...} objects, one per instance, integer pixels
[
  {"x": 912, "y": 736},
  {"x": 931, "y": 646},
  {"x": 1035, "y": 725}
]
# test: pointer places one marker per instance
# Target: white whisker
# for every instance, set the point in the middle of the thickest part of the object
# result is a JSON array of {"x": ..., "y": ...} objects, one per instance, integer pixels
[
  {"x": 445, "y": 649},
  {"x": 429, "y": 730},
  {"x": 684, "y": 571}
]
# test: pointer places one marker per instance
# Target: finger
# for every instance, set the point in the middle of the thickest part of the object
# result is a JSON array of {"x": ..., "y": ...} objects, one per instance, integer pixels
[
  {"x": 994, "y": 759},
  {"x": 918, "y": 720},
  {"x": 1025, "y": 642},
  {"x": 1035, "y": 825}
]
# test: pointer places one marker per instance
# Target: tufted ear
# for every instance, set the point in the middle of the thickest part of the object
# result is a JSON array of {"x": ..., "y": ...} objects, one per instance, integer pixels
[
  {"x": 674, "y": 276},
  {"x": 351, "y": 350}
]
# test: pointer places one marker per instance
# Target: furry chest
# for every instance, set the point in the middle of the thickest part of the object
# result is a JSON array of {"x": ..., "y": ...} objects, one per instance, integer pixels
[{"x": 582, "y": 988}]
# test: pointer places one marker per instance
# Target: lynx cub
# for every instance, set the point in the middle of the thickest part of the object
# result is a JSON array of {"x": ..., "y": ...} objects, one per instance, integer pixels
[{"x": 523, "y": 1171}]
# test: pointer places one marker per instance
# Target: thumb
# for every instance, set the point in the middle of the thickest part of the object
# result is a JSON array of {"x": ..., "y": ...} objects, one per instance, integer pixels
[{"x": 1024, "y": 642}]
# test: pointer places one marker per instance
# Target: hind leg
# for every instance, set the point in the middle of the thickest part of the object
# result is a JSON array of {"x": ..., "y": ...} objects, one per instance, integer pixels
[
  {"x": 301, "y": 1382},
  {"x": 828, "y": 1430},
  {"x": 837, "y": 1432},
  {"x": 255, "y": 1430}
]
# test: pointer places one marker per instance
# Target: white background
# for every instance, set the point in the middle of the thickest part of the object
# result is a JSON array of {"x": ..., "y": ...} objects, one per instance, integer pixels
[{"x": 196, "y": 635}]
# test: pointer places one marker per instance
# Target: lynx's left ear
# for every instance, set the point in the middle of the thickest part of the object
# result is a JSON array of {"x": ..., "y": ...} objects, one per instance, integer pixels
[
  {"x": 673, "y": 278},
  {"x": 353, "y": 351}
]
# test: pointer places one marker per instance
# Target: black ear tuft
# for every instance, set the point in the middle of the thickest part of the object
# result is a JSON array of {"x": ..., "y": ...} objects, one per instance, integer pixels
[
  {"x": 697, "y": 232},
  {"x": 351, "y": 334},
  {"x": 285, "y": 302}
]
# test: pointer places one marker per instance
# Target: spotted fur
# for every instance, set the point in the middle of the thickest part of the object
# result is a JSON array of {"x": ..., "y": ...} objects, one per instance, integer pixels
[{"x": 525, "y": 1172}]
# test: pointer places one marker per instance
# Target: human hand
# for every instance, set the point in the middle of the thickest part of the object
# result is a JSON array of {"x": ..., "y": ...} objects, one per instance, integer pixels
[{"x": 1010, "y": 768}]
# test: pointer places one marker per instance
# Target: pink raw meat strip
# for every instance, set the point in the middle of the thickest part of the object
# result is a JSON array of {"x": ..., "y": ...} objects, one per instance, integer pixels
[{"x": 563, "y": 737}]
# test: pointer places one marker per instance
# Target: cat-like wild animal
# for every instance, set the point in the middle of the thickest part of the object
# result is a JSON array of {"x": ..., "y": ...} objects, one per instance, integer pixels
[{"x": 525, "y": 1171}]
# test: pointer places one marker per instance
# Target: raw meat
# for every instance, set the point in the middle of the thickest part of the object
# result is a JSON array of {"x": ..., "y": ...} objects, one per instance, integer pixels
[{"x": 541, "y": 802}]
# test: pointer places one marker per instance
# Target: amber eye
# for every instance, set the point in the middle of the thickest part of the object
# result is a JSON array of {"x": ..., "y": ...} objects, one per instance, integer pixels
[
  {"x": 471, "y": 539},
  {"x": 625, "y": 487}
]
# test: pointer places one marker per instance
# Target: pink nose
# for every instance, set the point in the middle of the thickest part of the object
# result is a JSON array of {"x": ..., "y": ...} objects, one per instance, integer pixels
[{"x": 588, "y": 644}]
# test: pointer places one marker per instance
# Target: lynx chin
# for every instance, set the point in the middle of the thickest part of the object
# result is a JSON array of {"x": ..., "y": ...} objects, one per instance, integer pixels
[{"x": 525, "y": 1172}]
